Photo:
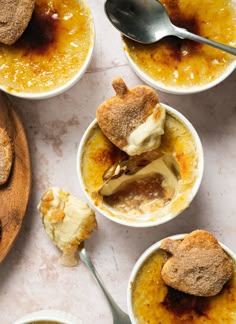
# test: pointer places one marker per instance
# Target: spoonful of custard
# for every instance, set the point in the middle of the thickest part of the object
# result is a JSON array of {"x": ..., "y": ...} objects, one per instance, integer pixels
[
  {"x": 147, "y": 21},
  {"x": 69, "y": 221}
]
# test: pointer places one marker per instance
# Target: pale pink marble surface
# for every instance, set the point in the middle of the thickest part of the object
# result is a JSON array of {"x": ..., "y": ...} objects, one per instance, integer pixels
[{"x": 31, "y": 276}]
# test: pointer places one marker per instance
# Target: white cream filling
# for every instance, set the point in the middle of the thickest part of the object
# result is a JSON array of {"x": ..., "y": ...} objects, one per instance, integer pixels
[
  {"x": 147, "y": 136},
  {"x": 69, "y": 231},
  {"x": 161, "y": 166}
]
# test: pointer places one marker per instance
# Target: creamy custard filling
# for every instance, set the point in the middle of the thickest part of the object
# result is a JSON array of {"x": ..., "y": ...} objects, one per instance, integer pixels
[
  {"x": 100, "y": 155},
  {"x": 151, "y": 187},
  {"x": 148, "y": 178},
  {"x": 67, "y": 220},
  {"x": 147, "y": 136}
]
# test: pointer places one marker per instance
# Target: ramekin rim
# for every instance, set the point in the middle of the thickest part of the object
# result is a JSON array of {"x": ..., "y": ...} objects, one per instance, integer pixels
[
  {"x": 48, "y": 315},
  {"x": 178, "y": 90}
]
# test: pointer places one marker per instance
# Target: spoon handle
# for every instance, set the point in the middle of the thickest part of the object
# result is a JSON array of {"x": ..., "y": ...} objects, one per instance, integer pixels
[
  {"x": 118, "y": 315},
  {"x": 183, "y": 33}
]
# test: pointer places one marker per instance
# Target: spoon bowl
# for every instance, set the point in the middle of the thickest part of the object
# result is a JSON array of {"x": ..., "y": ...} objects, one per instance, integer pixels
[
  {"x": 142, "y": 21},
  {"x": 147, "y": 21}
]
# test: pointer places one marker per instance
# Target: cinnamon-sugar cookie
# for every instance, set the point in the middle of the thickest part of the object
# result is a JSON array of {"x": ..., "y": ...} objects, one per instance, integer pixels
[{"x": 14, "y": 18}]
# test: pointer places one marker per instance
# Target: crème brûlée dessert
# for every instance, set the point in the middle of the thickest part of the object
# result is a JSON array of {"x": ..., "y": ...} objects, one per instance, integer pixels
[
  {"x": 139, "y": 161},
  {"x": 68, "y": 221},
  {"x": 182, "y": 63},
  {"x": 51, "y": 50},
  {"x": 45, "y": 322},
  {"x": 198, "y": 265}
]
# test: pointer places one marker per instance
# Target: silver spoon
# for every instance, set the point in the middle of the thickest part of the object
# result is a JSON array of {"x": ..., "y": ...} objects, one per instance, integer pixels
[
  {"x": 146, "y": 21},
  {"x": 119, "y": 317}
]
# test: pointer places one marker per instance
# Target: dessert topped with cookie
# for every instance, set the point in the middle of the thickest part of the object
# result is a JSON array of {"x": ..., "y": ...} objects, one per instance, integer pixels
[
  {"x": 185, "y": 279},
  {"x": 197, "y": 265},
  {"x": 133, "y": 120},
  {"x": 139, "y": 161}
]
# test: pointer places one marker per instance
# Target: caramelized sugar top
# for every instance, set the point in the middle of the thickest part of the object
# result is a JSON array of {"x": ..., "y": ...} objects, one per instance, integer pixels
[
  {"x": 51, "y": 50},
  {"x": 154, "y": 302},
  {"x": 183, "y": 63},
  {"x": 100, "y": 154},
  {"x": 41, "y": 33}
]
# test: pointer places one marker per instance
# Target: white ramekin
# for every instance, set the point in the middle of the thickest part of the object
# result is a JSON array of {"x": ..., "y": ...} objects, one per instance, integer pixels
[
  {"x": 142, "y": 259},
  {"x": 168, "y": 216},
  {"x": 178, "y": 90},
  {"x": 48, "y": 315},
  {"x": 69, "y": 83}
]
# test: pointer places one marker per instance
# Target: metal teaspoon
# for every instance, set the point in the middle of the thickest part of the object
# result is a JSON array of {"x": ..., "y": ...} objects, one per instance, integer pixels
[
  {"x": 119, "y": 317},
  {"x": 147, "y": 21}
]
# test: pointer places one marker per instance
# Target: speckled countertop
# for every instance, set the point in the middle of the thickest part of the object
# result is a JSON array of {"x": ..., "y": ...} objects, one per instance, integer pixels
[{"x": 31, "y": 276}]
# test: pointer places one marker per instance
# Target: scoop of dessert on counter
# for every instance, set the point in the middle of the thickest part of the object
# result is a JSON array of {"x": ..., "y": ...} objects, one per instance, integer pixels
[
  {"x": 133, "y": 119},
  {"x": 186, "y": 278},
  {"x": 67, "y": 220},
  {"x": 197, "y": 265},
  {"x": 14, "y": 18},
  {"x": 141, "y": 161},
  {"x": 6, "y": 155}
]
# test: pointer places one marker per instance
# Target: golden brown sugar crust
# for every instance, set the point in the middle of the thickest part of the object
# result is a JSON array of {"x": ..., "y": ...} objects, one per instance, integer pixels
[
  {"x": 14, "y": 18},
  {"x": 198, "y": 265},
  {"x": 6, "y": 156},
  {"x": 129, "y": 108}
]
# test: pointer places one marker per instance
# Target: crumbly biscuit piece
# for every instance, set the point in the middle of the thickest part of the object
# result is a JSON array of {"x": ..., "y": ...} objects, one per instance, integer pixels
[
  {"x": 6, "y": 156},
  {"x": 14, "y": 18},
  {"x": 123, "y": 113},
  {"x": 198, "y": 265}
]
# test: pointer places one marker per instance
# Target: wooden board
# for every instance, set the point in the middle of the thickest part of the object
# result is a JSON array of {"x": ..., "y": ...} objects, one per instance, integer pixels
[{"x": 14, "y": 194}]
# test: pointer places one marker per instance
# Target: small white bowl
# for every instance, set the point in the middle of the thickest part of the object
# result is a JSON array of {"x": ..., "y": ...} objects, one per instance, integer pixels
[
  {"x": 180, "y": 67},
  {"x": 142, "y": 260},
  {"x": 179, "y": 90},
  {"x": 49, "y": 316},
  {"x": 71, "y": 82},
  {"x": 166, "y": 213}
]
